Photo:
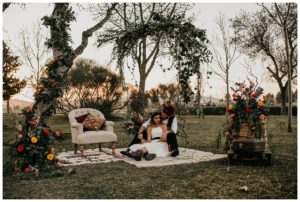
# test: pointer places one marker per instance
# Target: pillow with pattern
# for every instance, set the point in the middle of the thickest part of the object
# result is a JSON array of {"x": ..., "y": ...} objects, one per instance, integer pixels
[
  {"x": 81, "y": 118},
  {"x": 92, "y": 123}
]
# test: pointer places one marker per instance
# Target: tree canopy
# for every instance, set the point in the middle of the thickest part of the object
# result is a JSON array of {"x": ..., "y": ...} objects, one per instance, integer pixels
[
  {"x": 11, "y": 84},
  {"x": 187, "y": 45}
]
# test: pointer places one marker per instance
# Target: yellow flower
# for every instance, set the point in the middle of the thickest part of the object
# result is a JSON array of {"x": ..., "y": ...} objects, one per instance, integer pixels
[
  {"x": 34, "y": 140},
  {"x": 50, "y": 157},
  {"x": 260, "y": 103},
  {"x": 52, "y": 150}
]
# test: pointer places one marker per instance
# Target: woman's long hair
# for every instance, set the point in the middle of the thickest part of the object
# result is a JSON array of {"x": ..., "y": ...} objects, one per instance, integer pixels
[{"x": 153, "y": 115}]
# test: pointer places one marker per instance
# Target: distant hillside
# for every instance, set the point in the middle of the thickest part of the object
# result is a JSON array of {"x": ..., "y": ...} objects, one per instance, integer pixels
[{"x": 16, "y": 105}]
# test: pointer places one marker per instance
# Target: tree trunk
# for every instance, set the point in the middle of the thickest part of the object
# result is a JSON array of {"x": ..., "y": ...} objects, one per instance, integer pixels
[
  {"x": 227, "y": 89},
  {"x": 142, "y": 86},
  {"x": 289, "y": 80},
  {"x": 7, "y": 106},
  {"x": 283, "y": 100},
  {"x": 43, "y": 108}
]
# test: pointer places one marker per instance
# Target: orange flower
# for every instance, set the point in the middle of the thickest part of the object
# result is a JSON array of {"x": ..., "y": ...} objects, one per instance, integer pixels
[
  {"x": 34, "y": 140},
  {"x": 50, "y": 157},
  {"x": 230, "y": 106},
  {"x": 260, "y": 103}
]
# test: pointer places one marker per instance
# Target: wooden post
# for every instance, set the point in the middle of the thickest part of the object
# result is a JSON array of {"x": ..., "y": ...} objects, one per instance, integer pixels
[
  {"x": 113, "y": 146},
  {"x": 75, "y": 148},
  {"x": 265, "y": 137},
  {"x": 81, "y": 150},
  {"x": 99, "y": 147}
]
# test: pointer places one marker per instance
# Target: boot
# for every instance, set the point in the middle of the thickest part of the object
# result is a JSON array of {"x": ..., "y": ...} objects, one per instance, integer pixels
[
  {"x": 175, "y": 153},
  {"x": 150, "y": 157},
  {"x": 137, "y": 155},
  {"x": 125, "y": 153}
]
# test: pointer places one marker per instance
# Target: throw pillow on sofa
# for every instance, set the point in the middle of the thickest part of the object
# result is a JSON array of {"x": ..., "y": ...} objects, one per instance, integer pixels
[
  {"x": 92, "y": 123},
  {"x": 81, "y": 118}
]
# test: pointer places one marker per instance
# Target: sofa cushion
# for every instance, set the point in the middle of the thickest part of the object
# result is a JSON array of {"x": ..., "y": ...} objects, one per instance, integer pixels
[
  {"x": 100, "y": 136},
  {"x": 92, "y": 123},
  {"x": 81, "y": 118}
]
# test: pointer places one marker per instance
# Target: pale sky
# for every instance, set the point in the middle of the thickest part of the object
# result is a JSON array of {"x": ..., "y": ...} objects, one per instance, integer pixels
[{"x": 16, "y": 18}]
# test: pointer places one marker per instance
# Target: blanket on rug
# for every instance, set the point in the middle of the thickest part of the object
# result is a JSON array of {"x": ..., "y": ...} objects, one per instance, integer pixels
[{"x": 93, "y": 156}]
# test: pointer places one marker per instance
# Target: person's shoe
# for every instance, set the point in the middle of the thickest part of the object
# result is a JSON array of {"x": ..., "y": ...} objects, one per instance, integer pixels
[
  {"x": 125, "y": 153},
  {"x": 150, "y": 157},
  {"x": 175, "y": 153},
  {"x": 135, "y": 155}
]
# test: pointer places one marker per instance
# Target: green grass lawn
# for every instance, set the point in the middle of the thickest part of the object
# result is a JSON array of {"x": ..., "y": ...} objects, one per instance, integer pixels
[{"x": 204, "y": 180}]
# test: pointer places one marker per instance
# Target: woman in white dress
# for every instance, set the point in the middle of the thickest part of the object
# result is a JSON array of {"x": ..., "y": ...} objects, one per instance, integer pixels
[{"x": 156, "y": 140}]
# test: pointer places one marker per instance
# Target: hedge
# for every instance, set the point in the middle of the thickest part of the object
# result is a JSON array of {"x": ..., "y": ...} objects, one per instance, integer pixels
[{"x": 274, "y": 110}]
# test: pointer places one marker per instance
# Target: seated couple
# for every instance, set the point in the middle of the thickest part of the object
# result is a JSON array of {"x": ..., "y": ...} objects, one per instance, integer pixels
[{"x": 160, "y": 139}]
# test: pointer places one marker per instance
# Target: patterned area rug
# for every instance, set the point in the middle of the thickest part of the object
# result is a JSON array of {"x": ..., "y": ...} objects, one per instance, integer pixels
[{"x": 93, "y": 156}]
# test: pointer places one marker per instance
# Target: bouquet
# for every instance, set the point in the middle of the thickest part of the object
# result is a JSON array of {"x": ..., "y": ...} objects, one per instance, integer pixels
[
  {"x": 133, "y": 125},
  {"x": 248, "y": 107}
]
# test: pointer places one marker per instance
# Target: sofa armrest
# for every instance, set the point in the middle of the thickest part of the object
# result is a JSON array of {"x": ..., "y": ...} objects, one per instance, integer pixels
[
  {"x": 76, "y": 129},
  {"x": 109, "y": 126}
]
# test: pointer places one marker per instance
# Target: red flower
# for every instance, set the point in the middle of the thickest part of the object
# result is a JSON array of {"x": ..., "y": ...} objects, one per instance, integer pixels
[
  {"x": 232, "y": 116},
  {"x": 247, "y": 110},
  {"x": 57, "y": 133},
  {"x": 253, "y": 95},
  {"x": 32, "y": 123},
  {"x": 227, "y": 109},
  {"x": 234, "y": 95},
  {"x": 27, "y": 169},
  {"x": 20, "y": 148},
  {"x": 46, "y": 132},
  {"x": 227, "y": 134},
  {"x": 247, "y": 89}
]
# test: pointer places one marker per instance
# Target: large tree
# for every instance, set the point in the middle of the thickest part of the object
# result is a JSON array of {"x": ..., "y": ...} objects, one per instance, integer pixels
[
  {"x": 33, "y": 146},
  {"x": 186, "y": 45},
  {"x": 142, "y": 33},
  {"x": 259, "y": 35},
  {"x": 132, "y": 16},
  {"x": 11, "y": 84},
  {"x": 224, "y": 52},
  {"x": 285, "y": 17}
]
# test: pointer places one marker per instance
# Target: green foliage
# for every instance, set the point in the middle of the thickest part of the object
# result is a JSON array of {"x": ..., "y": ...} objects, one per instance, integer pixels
[
  {"x": 187, "y": 45},
  {"x": 137, "y": 102},
  {"x": 11, "y": 84},
  {"x": 93, "y": 86},
  {"x": 165, "y": 92}
]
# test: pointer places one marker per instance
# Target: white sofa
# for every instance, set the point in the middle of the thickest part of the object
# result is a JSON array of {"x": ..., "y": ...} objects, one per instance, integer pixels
[{"x": 80, "y": 137}]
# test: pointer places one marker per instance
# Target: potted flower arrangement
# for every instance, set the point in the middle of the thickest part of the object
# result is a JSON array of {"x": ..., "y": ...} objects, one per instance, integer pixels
[
  {"x": 244, "y": 128},
  {"x": 247, "y": 113}
]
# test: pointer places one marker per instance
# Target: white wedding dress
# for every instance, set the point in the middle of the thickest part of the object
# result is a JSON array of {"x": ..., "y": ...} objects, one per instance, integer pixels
[{"x": 155, "y": 146}]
